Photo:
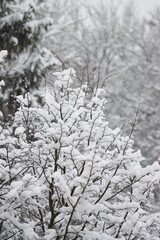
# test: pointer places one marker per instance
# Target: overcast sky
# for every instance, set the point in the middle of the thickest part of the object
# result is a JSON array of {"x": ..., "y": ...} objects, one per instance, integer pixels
[{"x": 143, "y": 6}]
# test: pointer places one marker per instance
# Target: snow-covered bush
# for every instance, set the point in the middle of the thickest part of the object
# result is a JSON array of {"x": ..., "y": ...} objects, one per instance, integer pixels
[{"x": 65, "y": 174}]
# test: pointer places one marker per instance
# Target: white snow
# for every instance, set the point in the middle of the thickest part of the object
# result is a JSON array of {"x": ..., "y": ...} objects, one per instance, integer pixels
[{"x": 3, "y": 54}]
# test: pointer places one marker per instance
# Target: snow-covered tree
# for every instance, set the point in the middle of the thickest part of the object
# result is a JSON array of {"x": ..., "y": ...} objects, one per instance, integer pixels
[{"x": 65, "y": 174}]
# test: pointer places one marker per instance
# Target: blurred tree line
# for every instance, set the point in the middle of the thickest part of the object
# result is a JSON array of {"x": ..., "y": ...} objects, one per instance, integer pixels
[{"x": 43, "y": 36}]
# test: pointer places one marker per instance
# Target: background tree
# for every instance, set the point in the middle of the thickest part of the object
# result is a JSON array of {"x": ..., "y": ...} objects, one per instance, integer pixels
[
  {"x": 108, "y": 43},
  {"x": 141, "y": 86}
]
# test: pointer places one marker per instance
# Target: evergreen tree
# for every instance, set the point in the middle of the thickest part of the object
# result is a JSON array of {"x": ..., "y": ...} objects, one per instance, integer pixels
[{"x": 22, "y": 29}]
